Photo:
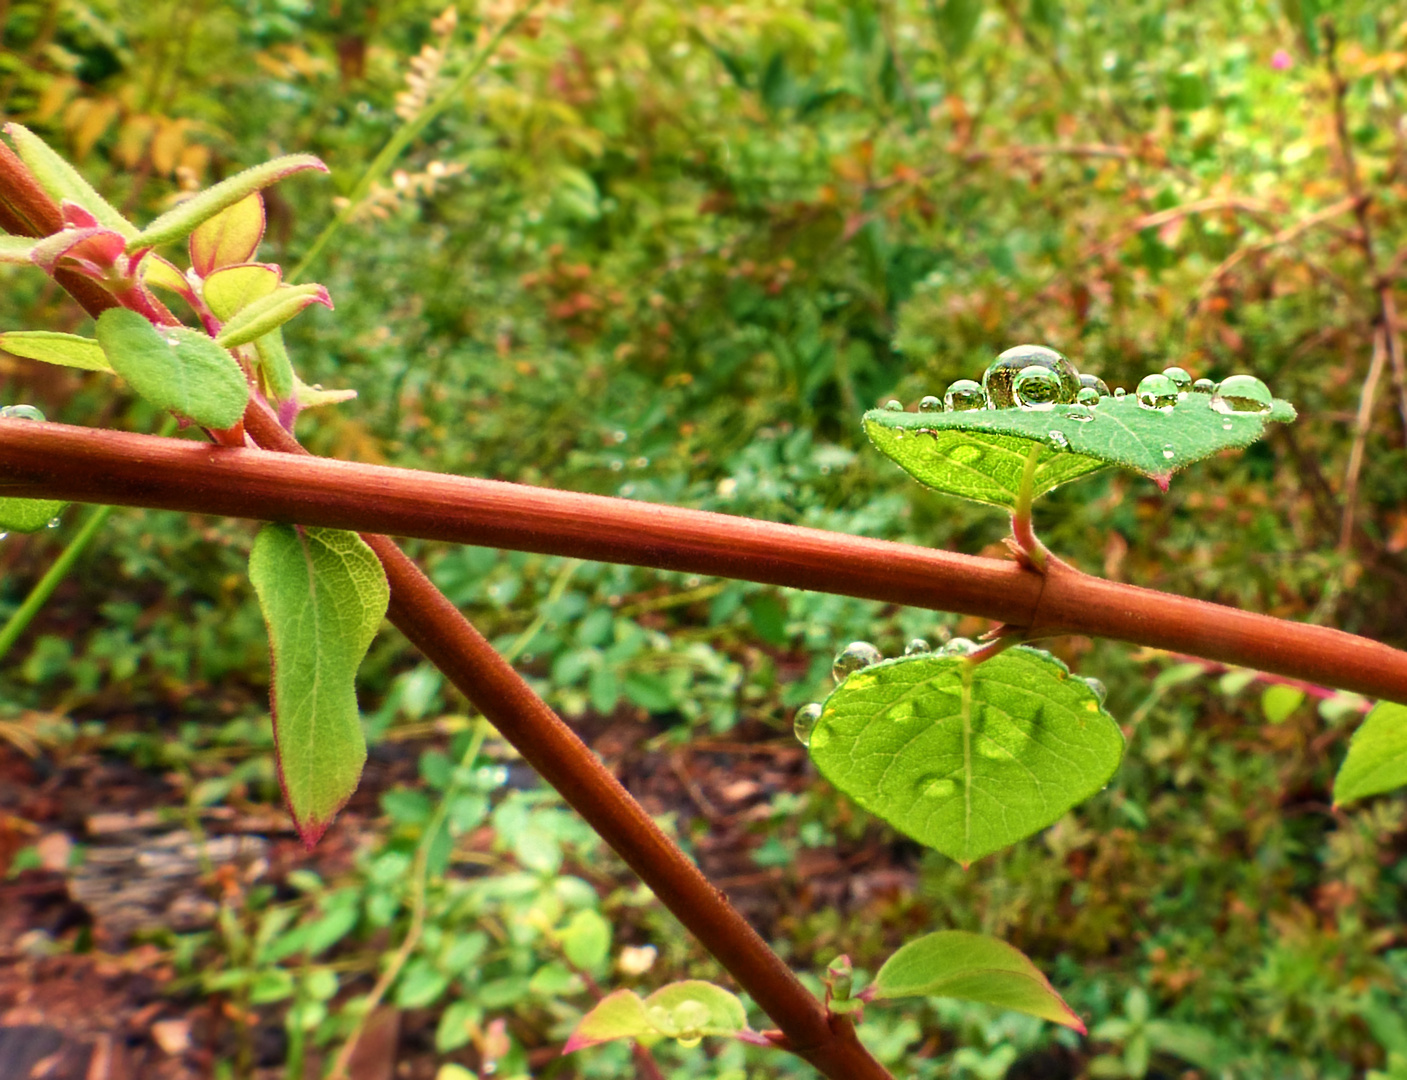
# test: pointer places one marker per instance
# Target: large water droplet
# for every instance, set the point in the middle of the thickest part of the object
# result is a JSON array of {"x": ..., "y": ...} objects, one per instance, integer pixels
[
  {"x": 1058, "y": 437},
  {"x": 1087, "y": 396},
  {"x": 1037, "y": 388},
  {"x": 1203, "y": 386},
  {"x": 1081, "y": 414},
  {"x": 935, "y": 787},
  {"x": 965, "y": 395},
  {"x": 21, "y": 412},
  {"x": 893, "y": 406},
  {"x": 1243, "y": 394},
  {"x": 1169, "y": 451},
  {"x": 999, "y": 380},
  {"x": 916, "y": 647},
  {"x": 959, "y": 646},
  {"x": 804, "y": 723},
  {"x": 856, "y": 655},
  {"x": 1179, "y": 376},
  {"x": 1095, "y": 383},
  {"x": 1157, "y": 392},
  {"x": 1098, "y": 687},
  {"x": 930, "y": 404}
]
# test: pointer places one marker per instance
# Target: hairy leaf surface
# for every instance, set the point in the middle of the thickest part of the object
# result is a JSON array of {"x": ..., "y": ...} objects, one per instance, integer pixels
[
  {"x": 67, "y": 350},
  {"x": 175, "y": 368},
  {"x": 323, "y": 594},
  {"x": 966, "y": 758}
]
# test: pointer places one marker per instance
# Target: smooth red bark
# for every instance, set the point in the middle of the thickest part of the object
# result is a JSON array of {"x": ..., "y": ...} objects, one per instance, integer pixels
[{"x": 138, "y": 470}]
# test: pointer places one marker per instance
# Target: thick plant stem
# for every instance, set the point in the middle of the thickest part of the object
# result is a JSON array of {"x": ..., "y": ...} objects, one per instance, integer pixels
[
  {"x": 435, "y": 627},
  {"x": 54, "y": 461}
]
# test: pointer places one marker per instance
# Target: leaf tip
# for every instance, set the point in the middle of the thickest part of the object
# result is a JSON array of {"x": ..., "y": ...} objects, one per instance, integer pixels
[
  {"x": 578, "y": 1041},
  {"x": 1162, "y": 480}
]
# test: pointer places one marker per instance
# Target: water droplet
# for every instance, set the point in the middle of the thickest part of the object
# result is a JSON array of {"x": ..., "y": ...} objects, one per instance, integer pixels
[
  {"x": 1169, "y": 451},
  {"x": 3, "y": 535},
  {"x": 930, "y": 404},
  {"x": 1157, "y": 392},
  {"x": 1081, "y": 414},
  {"x": 1098, "y": 687},
  {"x": 1088, "y": 396},
  {"x": 935, "y": 787},
  {"x": 893, "y": 406},
  {"x": 21, "y": 412},
  {"x": 1243, "y": 394},
  {"x": 965, "y": 395},
  {"x": 1120, "y": 392},
  {"x": 617, "y": 436},
  {"x": 662, "y": 1019},
  {"x": 856, "y": 655},
  {"x": 804, "y": 723},
  {"x": 53, "y": 523},
  {"x": 1037, "y": 388},
  {"x": 1226, "y": 425},
  {"x": 999, "y": 380},
  {"x": 916, "y": 647},
  {"x": 172, "y": 339},
  {"x": 1095, "y": 383},
  {"x": 1058, "y": 437},
  {"x": 1203, "y": 386},
  {"x": 1179, "y": 376},
  {"x": 959, "y": 646}
]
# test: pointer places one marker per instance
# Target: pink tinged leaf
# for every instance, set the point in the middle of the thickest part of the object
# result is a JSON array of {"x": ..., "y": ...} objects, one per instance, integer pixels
[
  {"x": 1162, "y": 480},
  {"x": 230, "y": 289},
  {"x": 95, "y": 250},
  {"x": 618, "y": 1015},
  {"x": 158, "y": 273},
  {"x": 231, "y": 236},
  {"x": 75, "y": 217}
]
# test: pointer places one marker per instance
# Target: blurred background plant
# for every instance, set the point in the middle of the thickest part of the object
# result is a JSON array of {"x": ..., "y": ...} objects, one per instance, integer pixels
[{"x": 670, "y": 252}]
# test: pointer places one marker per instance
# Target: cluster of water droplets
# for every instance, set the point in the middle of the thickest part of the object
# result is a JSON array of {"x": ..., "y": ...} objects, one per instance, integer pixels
[
  {"x": 1035, "y": 378},
  {"x": 859, "y": 655}
]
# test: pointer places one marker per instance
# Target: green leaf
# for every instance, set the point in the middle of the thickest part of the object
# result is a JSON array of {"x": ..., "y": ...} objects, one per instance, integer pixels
[
  {"x": 27, "y": 515},
  {"x": 323, "y": 594},
  {"x": 231, "y": 289},
  {"x": 159, "y": 273},
  {"x": 67, "y": 350},
  {"x": 231, "y": 236},
  {"x": 268, "y": 313},
  {"x": 956, "y": 964},
  {"x": 686, "y": 1011},
  {"x": 187, "y": 216},
  {"x": 62, "y": 181},
  {"x": 967, "y": 758},
  {"x": 16, "y": 250},
  {"x": 1279, "y": 701},
  {"x": 586, "y": 940},
  {"x": 1377, "y": 755},
  {"x": 980, "y": 454},
  {"x": 175, "y": 368},
  {"x": 957, "y": 24},
  {"x": 277, "y": 369}
]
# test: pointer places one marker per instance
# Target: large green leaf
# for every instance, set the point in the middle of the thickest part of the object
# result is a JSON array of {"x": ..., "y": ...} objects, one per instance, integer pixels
[
  {"x": 1377, "y": 755},
  {"x": 956, "y": 964},
  {"x": 62, "y": 181},
  {"x": 980, "y": 454},
  {"x": 68, "y": 350},
  {"x": 967, "y": 758},
  {"x": 323, "y": 594},
  {"x": 189, "y": 215},
  {"x": 175, "y": 368},
  {"x": 686, "y": 1011}
]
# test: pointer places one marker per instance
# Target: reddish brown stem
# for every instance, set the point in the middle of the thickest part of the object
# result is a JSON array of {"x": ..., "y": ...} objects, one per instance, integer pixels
[{"x": 85, "y": 465}]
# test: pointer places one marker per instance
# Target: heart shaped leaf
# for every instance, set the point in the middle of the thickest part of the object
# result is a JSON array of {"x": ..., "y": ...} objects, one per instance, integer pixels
[
  {"x": 686, "y": 1011},
  {"x": 323, "y": 594},
  {"x": 967, "y": 758},
  {"x": 175, "y": 368},
  {"x": 956, "y": 964},
  {"x": 67, "y": 350},
  {"x": 1377, "y": 755},
  {"x": 980, "y": 454},
  {"x": 231, "y": 236}
]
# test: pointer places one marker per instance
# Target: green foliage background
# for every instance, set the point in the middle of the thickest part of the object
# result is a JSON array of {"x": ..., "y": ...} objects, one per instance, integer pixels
[{"x": 672, "y": 252}]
